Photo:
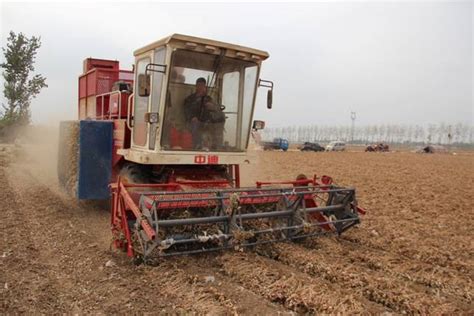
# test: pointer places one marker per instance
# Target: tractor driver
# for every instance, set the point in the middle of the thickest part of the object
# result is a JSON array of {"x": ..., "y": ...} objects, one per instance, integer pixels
[{"x": 204, "y": 118}]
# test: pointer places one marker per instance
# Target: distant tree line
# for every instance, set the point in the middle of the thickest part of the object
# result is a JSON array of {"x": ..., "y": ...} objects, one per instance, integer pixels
[{"x": 441, "y": 133}]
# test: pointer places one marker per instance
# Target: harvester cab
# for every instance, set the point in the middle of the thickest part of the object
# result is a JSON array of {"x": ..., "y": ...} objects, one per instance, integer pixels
[
  {"x": 165, "y": 141},
  {"x": 193, "y": 102}
]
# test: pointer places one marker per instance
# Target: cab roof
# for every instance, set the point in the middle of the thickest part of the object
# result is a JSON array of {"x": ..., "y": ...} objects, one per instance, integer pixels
[{"x": 199, "y": 40}]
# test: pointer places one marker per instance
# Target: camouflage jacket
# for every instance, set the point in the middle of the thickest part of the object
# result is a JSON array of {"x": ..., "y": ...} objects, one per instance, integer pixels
[{"x": 195, "y": 106}]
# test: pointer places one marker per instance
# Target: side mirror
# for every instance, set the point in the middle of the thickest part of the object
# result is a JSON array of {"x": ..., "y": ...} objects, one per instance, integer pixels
[
  {"x": 258, "y": 125},
  {"x": 267, "y": 84},
  {"x": 269, "y": 99},
  {"x": 143, "y": 85}
]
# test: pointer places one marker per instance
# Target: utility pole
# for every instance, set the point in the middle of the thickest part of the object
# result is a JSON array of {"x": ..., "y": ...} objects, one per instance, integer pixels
[
  {"x": 353, "y": 118},
  {"x": 450, "y": 137}
]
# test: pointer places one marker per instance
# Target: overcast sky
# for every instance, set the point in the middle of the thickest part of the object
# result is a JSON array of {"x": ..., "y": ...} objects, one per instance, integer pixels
[{"x": 390, "y": 62}]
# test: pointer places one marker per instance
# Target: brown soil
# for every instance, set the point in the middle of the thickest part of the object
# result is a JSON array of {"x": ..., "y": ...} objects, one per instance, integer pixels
[{"x": 411, "y": 254}]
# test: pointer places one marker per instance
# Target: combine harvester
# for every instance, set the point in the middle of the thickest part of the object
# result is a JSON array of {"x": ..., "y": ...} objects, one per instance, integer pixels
[{"x": 164, "y": 142}]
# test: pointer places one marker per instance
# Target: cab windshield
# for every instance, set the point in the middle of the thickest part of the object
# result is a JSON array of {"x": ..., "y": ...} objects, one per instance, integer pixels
[{"x": 209, "y": 102}]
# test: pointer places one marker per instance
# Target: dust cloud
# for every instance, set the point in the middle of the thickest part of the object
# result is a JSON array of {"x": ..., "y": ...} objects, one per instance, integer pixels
[{"x": 37, "y": 152}]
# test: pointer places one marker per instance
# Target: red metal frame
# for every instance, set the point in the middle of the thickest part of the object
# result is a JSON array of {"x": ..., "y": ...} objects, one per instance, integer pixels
[
  {"x": 96, "y": 84},
  {"x": 97, "y": 80}
]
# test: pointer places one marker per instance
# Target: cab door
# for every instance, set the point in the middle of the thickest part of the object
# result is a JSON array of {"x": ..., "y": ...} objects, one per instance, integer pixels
[{"x": 141, "y": 102}]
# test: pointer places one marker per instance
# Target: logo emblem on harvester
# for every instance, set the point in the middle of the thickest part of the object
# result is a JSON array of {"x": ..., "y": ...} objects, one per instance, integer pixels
[
  {"x": 200, "y": 159},
  {"x": 210, "y": 159}
]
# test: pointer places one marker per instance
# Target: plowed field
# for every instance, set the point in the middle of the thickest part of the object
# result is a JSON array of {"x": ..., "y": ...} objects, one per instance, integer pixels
[{"x": 413, "y": 252}]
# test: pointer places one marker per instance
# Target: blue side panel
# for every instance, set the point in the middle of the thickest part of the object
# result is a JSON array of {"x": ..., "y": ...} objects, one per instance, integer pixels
[{"x": 95, "y": 159}]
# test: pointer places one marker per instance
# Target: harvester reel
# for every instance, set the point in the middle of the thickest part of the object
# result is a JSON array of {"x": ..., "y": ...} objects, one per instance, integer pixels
[
  {"x": 138, "y": 246},
  {"x": 341, "y": 218},
  {"x": 171, "y": 222}
]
